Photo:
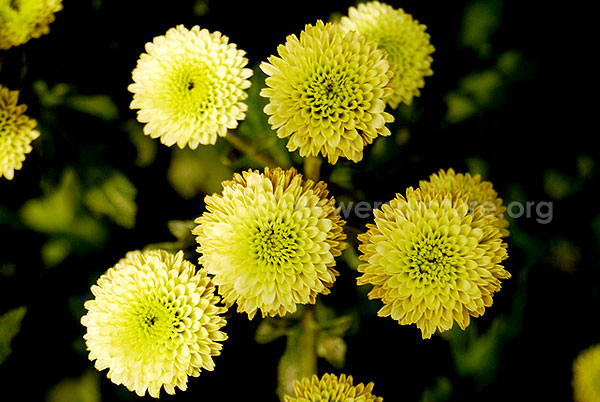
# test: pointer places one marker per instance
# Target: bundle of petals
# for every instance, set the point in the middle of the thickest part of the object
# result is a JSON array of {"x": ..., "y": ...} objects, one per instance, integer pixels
[
  {"x": 153, "y": 322},
  {"x": 17, "y": 131},
  {"x": 270, "y": 240},
  {"x": 432, "y": 260},
  {"x": 332, "y": 388}
]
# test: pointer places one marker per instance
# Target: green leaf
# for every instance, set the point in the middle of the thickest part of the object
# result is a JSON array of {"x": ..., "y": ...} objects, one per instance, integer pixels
[
  {"x": 333, "y": 349},
  {"x": 114, "y": 197},
  {"x": 558, "y": 185},
  {"x": 475, "y": 355},
  {"x": 55, "y": 211},
  {"x": 441, "y": 391},
  {"x": 10, "y": 325},
  {"x": 100, "y": 106},
  {"x": 146, "y": 147},
  {"x": 270, "y": 329},
  {"x": 83, "y": 389},
  {"x": 199, "y": 171},
  {"x": 182, "y": 230},
  {"x": 480, "y": 20},
  {"x": 460, "y": 107},
  {"x": 55, "y": 250}
]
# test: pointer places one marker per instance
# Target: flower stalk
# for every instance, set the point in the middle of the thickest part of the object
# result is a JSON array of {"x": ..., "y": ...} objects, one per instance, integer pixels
[{"x": 247, "y": 148}]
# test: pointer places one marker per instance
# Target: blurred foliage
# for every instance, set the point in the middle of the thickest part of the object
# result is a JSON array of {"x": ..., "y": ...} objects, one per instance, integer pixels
[
  {"x": 10, "y": 324},
  {"x": 83, "y": 389}
]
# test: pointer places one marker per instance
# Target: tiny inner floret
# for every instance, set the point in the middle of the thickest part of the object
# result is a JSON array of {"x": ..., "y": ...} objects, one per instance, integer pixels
[
  {"x": 432, "y": 261},
  {"x": 275, "y": 243}
]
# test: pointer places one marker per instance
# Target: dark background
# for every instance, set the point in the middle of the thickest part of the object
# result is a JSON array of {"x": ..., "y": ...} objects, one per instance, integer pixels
[{"x": 527, "y": 134}]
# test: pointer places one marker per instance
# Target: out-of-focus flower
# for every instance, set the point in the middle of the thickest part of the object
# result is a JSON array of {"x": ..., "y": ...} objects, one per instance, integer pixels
[
  {"x": 403, "y": 38},
  {"x": 21, "y": 20},
  {"x": 327, "y": 92},
  {"x": 586, "y": 372},
  {"x": 270, "y": 241},
  {"x": 17, "y": 131},
  {"x": 153, "y": 322},
  {"x": 431, "y": 261},
  {"x": 189, "y": 87}
]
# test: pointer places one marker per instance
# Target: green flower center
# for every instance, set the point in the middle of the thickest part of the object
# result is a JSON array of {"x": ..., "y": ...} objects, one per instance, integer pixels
[
  {"x": 330, "y": 94},
  {"x": 432, "y": 260},
  {"x": 158, "y": 320},
  {"x": 195, "y": 89},
  {"x": 275, "y": 243}
]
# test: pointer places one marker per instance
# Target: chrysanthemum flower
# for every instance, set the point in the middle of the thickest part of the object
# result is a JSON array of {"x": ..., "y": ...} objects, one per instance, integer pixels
[
  {"x": 431, "y": 261},
  {"x": 331, "y": 388},
  {"x": 270, "y": 241},
  {"x": 189, "y": 87},
  {"x": 21, "y": 20},
  {"x": 153, "y": 322},
  {"x": 403, "y": 38},
  {"x": 327, "y": 92},
  {"x": 481, "y": 193},
  {"x": 17, "y": 131},
  {"x": 586, "y": 375}
]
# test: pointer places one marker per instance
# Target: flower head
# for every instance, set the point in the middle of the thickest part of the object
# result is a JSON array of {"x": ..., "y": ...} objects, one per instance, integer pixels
[
  {"x": 327, "y": 92},
  {"x": 586, "y": 372},
  {"x": 270, "y": 240},
  {"x": 331, "y": 388},
  {"x": 481, "y": 193},
  {"x": 403, "y": 38},
  {"x": 189, "y": 87},
  {"x": 17, "y": 131},
  {"x": 431, "y": 261},
  {"x": 21, "y": 20},
  {"x": 153, "y": 322}
]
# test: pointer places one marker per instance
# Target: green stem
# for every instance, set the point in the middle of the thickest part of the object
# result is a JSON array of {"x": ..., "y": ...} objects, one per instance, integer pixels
[
  {"x": 312, "y": 167},
  {"x": 247, "y": 148},
  {"x": 299, "y": 360},
  {"x": 308, "y": 342}
]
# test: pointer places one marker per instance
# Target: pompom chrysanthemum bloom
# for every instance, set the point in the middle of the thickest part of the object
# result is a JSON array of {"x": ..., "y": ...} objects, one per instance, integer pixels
[
  {"x": 270, "y": 241},
  {"x": 21, "y": 20},
  {"x": 330, "y": 388},
  {"x": 403, "y": 38},
  {"x": 153, "y": 322},
  {"x": 17, "y": 131},
  {"x": 586, "y": 375},
  {"x": 327, "y": 92},
  {"x": 431, "y": 261},
  {"x": 479, "y": 192},
  {"x": 189, "y": 87}
]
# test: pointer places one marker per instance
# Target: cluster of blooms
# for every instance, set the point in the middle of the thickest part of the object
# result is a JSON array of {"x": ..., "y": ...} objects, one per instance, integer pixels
[
  {"x": 327, "y": 89},
  {"x": 269, "y": 241}
]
